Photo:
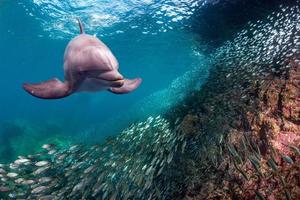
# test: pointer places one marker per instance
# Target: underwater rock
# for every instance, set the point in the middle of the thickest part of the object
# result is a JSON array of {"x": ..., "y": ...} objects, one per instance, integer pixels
[
  {"x": 248, "y": 146},
  {"x": 189, "y": 126},
  {"x": 259, "y": 155}
]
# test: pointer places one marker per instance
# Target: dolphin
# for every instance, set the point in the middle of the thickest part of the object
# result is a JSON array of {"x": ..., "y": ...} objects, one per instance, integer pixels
[{"x": 89, "y": 65}]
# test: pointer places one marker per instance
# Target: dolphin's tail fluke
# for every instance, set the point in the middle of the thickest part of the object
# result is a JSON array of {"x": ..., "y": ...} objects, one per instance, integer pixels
[
  {"x": 128, "y": 86},
  {"x": 80, "y": 26},
  {"x": 52, "y": 89}
]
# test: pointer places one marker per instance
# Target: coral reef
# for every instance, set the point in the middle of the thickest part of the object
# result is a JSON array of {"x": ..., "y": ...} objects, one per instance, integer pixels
[
  {"x": 261, "y": 154},
  {"x": 243, "y": 142},
  {"x": 189, "y": 126}
]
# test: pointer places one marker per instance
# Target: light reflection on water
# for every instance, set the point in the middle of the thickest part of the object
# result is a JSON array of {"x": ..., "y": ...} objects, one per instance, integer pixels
[{"x": 149, "y": 16}]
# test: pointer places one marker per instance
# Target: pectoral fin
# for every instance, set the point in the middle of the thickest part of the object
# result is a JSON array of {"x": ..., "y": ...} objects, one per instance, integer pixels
[
  {"x": 52, "y": 89},
  {"x": 129, "y": 86}
]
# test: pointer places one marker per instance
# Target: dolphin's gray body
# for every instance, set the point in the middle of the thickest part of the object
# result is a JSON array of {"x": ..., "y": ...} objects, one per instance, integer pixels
[{"x": 89, "y": 65}]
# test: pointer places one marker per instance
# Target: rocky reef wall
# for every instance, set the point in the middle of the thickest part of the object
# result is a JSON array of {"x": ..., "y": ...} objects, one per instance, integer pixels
[
  {"x": 242, "y": 144},
  {"x": 242, "y": 127}
]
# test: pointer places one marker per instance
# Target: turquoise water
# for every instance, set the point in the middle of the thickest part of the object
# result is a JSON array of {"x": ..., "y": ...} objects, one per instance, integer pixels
[{"x": 151, "y": 40}]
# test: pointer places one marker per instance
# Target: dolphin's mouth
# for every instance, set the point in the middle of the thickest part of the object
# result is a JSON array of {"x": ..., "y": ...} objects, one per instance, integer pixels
[
  {"x": 105, "y": 79},
  {"x": 100, "y": 75}
]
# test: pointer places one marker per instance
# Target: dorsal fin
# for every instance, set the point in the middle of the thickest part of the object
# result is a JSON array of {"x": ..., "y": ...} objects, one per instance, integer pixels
[{"x": 80, "y": 26}]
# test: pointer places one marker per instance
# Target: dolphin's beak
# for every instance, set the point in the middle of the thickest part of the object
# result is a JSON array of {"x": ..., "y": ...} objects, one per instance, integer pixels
[
  {"x": 128, "y": 86},
  {"x": 108, "y": 76}
]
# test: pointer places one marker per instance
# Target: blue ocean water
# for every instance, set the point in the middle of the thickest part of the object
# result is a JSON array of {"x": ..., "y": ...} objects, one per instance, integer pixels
[{"x": 151, "y": 39}]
